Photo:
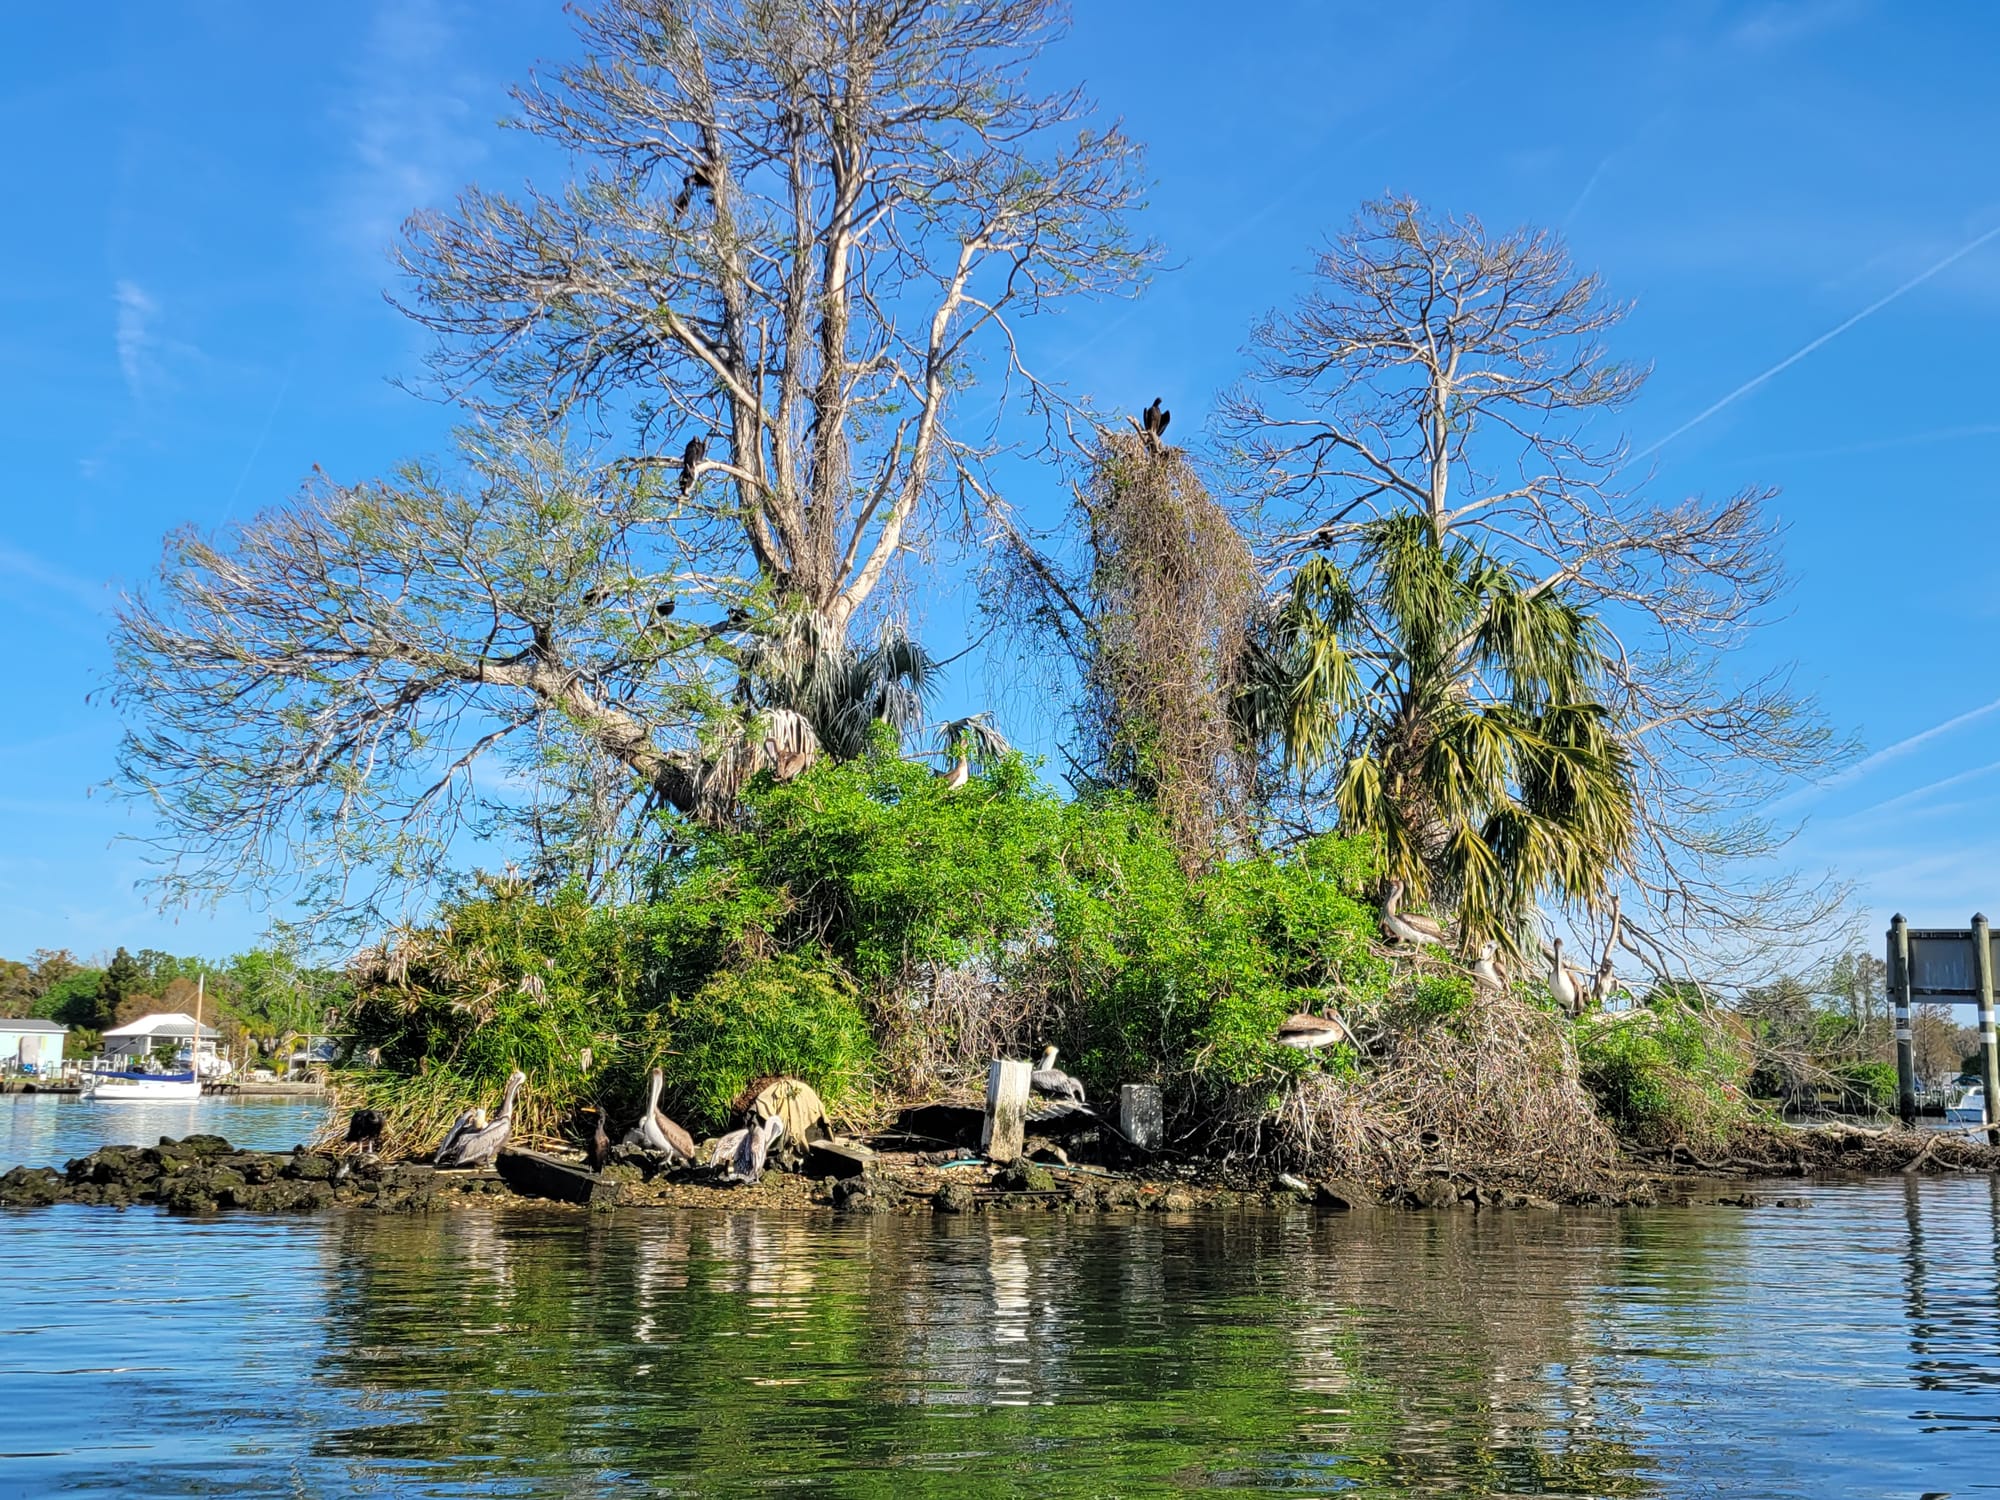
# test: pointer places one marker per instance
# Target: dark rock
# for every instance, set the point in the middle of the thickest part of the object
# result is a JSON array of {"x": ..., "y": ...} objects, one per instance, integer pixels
[
  {"x": 838, "y": 1159},
  {"x": 954, "y": 1196},
  {"x": 1344, "y": 1195},
  {"x": 1540, "y": 1204},
  {"x": 1791, "y": 1203},
  {"x": 1120, "y": 1193},
  {"x": 311, "y": 1167},
  {"x": 1175, "y": 1200},
  {"x": 256, "y": 1166},
  {"x": 865, "y": 1195},
  {"x": 30, "y": 1187},
  {"x": 1435, "y": 1192},
  {"x": 171, "y": 1154},
  {"x": 1026, "y": 1177},
  {"x": 1741, "y": 1200},
  {"x": 206, "y": 1145}
]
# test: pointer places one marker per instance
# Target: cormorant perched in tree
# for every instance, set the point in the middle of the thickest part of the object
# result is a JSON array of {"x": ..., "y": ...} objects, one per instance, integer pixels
[
  {"x": 1155, "y": 420},
  {"x": 700, "y": 177},
  {"x": 664, "y": 610},
  {"x": 691, "y": 457}
]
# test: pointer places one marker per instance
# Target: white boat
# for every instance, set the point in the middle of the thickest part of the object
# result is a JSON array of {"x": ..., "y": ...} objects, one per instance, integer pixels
[
  {"x": 157, "y": 1084},
  {"x": 1969, "y": 1108},
  {"x": 106, "y": 1083}
]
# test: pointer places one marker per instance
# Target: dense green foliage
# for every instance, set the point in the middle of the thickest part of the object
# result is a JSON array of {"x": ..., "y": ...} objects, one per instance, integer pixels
[
  {"x": 1666, "y": 1073},
  {"x": 799, "y": 939}
]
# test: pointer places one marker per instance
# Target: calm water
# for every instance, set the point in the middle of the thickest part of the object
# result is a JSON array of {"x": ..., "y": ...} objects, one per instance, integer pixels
[
  {"x": 46, "y": 1130},
  {"x": 1852, "y": 1349}
]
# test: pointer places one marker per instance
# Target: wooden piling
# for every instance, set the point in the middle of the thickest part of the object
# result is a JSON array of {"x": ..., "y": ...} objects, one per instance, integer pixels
[
  {"x": 1141, "y": 1118},
  {"x": 1006, "y": 1109},
  {"x": 1989, "y": 1050},
  {"x": 1899, "y": 996}
]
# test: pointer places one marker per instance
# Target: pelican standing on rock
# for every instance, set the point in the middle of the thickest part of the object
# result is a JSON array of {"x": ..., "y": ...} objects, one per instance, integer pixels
[
  {"x": 473, "y": 1142},
  {"x": 742, "y": 1153},
  {"x": 1407, "y": 927},
  {"x": 1051, "y": 1082},
  {"x": 1309, "y": 1033},
  {"x": 655, "y": 1131}
]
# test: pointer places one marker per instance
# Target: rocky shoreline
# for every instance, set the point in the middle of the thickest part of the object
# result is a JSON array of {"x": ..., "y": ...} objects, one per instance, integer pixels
[{"x": 204, "y": 1174}]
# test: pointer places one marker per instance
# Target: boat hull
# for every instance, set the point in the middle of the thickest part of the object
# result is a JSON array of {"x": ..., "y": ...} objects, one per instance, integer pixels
[{"x": 115, "y": 1086}]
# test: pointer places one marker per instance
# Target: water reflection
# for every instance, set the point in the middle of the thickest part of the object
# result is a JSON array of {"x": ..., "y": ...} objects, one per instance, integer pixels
[{"x": 1832, "y": 1352}]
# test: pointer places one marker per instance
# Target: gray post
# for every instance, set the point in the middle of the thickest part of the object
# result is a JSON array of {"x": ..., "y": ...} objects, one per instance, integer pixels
[
  {"x": 1989, "y": 1052},
  {"x": 1006, "y": 1110},
  {"x": 1141, "y": 1119},
  {"x": 1899, "y": 996}
]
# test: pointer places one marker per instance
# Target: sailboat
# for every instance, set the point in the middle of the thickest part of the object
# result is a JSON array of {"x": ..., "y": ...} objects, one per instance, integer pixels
[{"x": 138, "y": 1083}]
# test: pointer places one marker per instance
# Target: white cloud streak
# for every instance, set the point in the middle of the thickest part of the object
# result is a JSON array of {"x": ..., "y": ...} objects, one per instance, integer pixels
[
  {"x": 134, "y": 338},
  {"x": 1819, "y": 343},
  {"x": 1883, "y": 756}
]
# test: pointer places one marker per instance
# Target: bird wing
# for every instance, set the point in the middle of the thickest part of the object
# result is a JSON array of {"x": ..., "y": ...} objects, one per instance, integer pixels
[
  {"x": 678, "y": 1140},
  {"x": 1429, "y": 926},
  {"x": 454, "y": 1138}
]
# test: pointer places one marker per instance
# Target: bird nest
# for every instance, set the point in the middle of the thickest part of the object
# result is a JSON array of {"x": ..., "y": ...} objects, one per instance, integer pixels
[{"x": 1492, "y": 1096}]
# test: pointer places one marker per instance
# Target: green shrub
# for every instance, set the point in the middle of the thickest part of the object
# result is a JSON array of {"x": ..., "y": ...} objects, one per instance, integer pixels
[
  {"x": 1873, "y": 1084},
  {"x": 787, "y": 1015},
  {"x": 1665, "y": 1075},
  {"x": 1436, "y": 997}
]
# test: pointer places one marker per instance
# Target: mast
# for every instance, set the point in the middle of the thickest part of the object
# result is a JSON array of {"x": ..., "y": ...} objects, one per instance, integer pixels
[{"x": 194, "y": 1054}]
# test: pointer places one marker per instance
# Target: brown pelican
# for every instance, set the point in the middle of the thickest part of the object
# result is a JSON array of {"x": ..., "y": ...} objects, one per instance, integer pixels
[
  {"x": 365, "y": 1128},
  {"x": 1564, "y": 983},
  {"x": 959, "y": 774},
  {"x": 655, "y": 1131},
  {"x": 1051, "y": 1081},
  {"x": 481, "y": 1142},
  {"x": 1407, "y": 927},
  {"x": 742, "y": 1153},
  {"x": 1486, "y": 973},
  {"x": 1309, "y": 1033},
  {"x": 468, "y": 1121}
]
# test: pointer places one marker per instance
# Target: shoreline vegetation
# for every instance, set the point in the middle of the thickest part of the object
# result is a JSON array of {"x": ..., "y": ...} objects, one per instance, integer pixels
[{"x": 1410, "y": 821}]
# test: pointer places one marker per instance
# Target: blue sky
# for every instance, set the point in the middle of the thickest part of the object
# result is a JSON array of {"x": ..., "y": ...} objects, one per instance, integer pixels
[{"x": 204, "y": 196}]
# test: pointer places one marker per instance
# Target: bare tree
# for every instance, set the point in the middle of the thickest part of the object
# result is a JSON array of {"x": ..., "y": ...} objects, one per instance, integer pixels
[
  {"x": 1436, "y": 368},
  {"x": 330, "y": 695},
  {"x": 795, "y": 227}
]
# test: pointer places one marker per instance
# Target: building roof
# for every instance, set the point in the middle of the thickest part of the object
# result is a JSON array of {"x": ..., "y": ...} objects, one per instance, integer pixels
[
  {"x": 20, "y": 1024},
  {"x": 161, "y": 1023}
]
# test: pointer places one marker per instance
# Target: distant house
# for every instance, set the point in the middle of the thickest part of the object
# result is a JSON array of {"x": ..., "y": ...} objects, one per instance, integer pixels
[
  {"x": 27, "y": 1043},
  {"x": 138, "y": 1038}
]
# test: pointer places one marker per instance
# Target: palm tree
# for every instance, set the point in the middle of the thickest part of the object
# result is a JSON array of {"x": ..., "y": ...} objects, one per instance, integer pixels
[
  {"x": 805, "y": 691},
  {"x": 1466, "y": 706}
]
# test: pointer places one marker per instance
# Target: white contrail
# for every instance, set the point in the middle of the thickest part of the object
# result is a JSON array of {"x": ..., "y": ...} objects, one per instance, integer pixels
[
  {"x": 1904, "y": 799},
  {"x": 1819, "y": 343},
  {"x": 1888, "y": 753}
]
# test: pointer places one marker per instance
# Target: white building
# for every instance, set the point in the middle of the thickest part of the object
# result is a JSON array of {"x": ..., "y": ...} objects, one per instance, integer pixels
[
  {"x": 137, "y": 1039},
  {"x": 26, "y": 1043}
]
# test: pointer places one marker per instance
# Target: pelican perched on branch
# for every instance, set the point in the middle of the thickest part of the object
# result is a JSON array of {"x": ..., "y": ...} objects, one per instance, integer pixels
[
  {"x": 473, "y": 1142},
  {"x": 1051, "y": 1082},
  {"x": 655, "y": 1131},
  {"x": 1413, "y": 928}
]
